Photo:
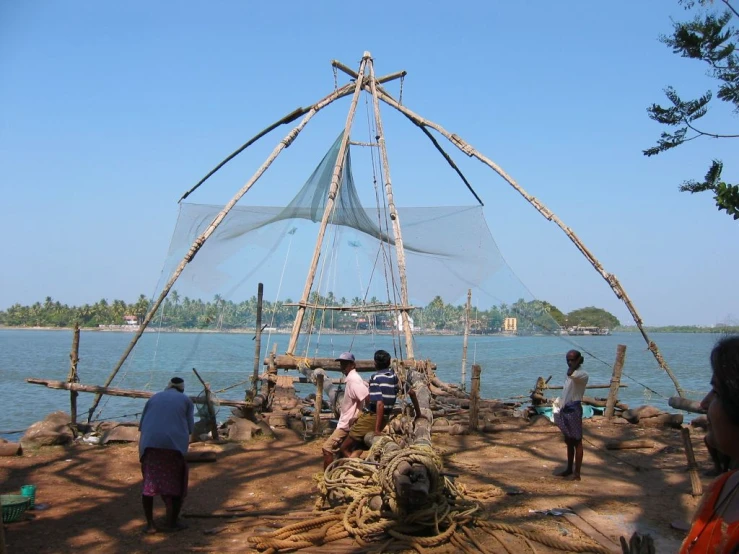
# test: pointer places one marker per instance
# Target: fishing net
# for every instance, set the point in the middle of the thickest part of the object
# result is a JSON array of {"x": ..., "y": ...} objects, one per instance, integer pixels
[{"x": 449, "y": 250}]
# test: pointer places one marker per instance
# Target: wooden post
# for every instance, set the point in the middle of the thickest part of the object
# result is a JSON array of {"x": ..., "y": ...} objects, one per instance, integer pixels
[
  {"x": 318, "y": 405},
  {"x": 466, "y": 336},
  {"x": 74, "y": 358},
  {"x": 399, "y": 249},
  {"x": 695, "y": 481},
  {"x": 217, "y": 220},
  {"x": 258, "y": 342},
  {"x": 475, "y": 396},
  {"x": 209, "y": 405},
  {"x": 334, "y": 188},
  {"x": 615, "y": 380}
]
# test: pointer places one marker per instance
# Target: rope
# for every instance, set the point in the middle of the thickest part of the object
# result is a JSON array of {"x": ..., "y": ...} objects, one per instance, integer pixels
[{"x": 444, "y": 521}]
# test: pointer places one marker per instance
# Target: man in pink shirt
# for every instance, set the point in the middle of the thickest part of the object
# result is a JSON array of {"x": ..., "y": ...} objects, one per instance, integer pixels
[{"x": 355, "y": 393}]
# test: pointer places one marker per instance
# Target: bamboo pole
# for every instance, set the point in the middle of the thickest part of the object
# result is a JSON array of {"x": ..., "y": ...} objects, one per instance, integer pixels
[
  {"x": 74, "y": 358},
  {"x": 113, "y": 391},
  {"x": 615, "y": 380},
  {"x": 257, "y": 342},
  {"x": 330, "y": 202},
  {"x": 560, "y": 387},
  {"x": 399, "y": 249},
  {"x": 197, "y": 245},
  {"x": 547, "y": 213},
  {"x": 695, "y": 480},
  {"x": 475, "y": 397},
  {"x": 318, "y": 405},
  {"x": 466, "y": 337},
  {"x": 209, "y": 406}
]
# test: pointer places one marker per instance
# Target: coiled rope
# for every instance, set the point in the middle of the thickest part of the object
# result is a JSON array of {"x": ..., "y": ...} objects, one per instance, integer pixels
[{"x": 375, "y": 514}]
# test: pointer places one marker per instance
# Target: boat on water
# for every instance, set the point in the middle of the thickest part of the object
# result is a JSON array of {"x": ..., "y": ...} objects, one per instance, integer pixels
[{"x": 588, "y": 331}]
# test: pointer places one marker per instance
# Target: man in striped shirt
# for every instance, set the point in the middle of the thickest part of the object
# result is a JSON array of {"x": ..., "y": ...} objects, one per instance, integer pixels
[{"x": 383, "y": 391}]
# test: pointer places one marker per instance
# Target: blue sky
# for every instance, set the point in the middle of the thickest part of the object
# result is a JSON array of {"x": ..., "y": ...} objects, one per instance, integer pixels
[{"x": 110, "y": 111}]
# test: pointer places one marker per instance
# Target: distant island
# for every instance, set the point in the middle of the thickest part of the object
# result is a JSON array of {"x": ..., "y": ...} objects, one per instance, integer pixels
[{"x": 535, "y": 317}]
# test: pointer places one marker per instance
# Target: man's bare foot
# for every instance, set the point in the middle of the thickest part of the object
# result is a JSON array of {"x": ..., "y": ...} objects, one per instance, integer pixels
[
  {"x": 564, "y": 473},
  {"x": 150, "y": 529},
  {"x": 177, "y": 526},
  {"x": 576, "y": 477}
]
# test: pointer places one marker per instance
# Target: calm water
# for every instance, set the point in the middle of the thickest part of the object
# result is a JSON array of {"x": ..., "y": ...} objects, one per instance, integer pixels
[{"x": 510, "y": 365}]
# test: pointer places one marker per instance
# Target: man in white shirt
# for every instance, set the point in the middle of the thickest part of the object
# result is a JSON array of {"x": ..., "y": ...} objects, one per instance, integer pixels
[
  {"x": 569, "y": 418},
  {"x": 355, "y": 392}
]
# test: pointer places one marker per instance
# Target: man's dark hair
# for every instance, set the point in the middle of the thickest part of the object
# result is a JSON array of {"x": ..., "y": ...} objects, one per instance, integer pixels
[
  {"x": 725, "y": 365},
  {"x": 382, "y": 359}
]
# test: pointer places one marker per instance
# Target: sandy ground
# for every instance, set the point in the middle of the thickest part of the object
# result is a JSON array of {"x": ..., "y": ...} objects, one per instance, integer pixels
[{"x": 94, "y": 503}]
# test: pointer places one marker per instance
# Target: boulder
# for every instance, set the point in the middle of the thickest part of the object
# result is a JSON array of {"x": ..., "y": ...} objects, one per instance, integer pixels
[
  {"x": 635, "y": 414},
  {"x": 700, "y": 421},
  {"x": 243, "y": 430},
  {"x": 54, "y": 429},
  {"x": 121, "y": 433}
]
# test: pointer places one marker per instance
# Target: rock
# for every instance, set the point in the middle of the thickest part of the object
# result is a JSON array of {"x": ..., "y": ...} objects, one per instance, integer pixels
[
  {"x": 663, "y": 420},
  {"x": 700, "y": 421},
  {"x": 266, "y": 429},
  {"x": 53, "y": 430},
  {"x": 243, "y": 430},
  {"x": 441, "y": 422},
  {"x": 121, "y": 433},
  {"x": 635, "y": 414},
  {"x": 201, "y": 427},
  {"x": 277, "y": 420}
]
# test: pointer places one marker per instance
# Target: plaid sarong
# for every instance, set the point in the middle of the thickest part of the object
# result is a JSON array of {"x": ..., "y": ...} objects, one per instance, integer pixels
[
  {"x": 569, "y": 420},
  {"x": 165, "y": 473}
]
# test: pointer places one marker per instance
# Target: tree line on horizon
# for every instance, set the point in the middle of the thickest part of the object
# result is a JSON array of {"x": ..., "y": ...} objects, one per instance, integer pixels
[{"x": 535, "y": 316}]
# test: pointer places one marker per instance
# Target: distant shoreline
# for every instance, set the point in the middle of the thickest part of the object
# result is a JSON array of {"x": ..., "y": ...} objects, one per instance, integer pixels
[{"x": 683, "y": 329}]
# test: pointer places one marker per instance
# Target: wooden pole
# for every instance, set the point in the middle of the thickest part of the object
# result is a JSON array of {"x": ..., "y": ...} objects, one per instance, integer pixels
[
  {"x": 560, "y": 387},
  {"x": 113, "y": 391},
  {"x": 197, "y": 245},
  {"x": 466, "y": 337},
  {"x": 685, "y": 404},
  {"x": 209, "y": 405},
  {"x": 257, "y": 342},
  {"x": 695, "y": 481},
  {"x": 615, "y": 380},
  {"x": 74, "y": 358},
  {"x": 336, "y": 178},
  {"x": 399, "y": 249},
  {"x": 318, "y": 405},
  {"x": 547, "y": 213},
  {"x": 475, "y": 396}
]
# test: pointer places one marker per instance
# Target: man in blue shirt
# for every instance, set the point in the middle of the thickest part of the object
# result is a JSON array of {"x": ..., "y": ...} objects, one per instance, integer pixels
[
  {"x": 166, "y": 425},
  {"x": 383, "y": 392}
]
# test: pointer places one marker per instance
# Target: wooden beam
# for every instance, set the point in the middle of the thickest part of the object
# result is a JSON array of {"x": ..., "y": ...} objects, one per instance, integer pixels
[
  {"x": 285, "y": 361},
  {"x": 560, "y": 387},
  {"x": 112, "y": 391},
  {"x": 615, "y": 380},
  {"x": 394, "y": 217}
]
